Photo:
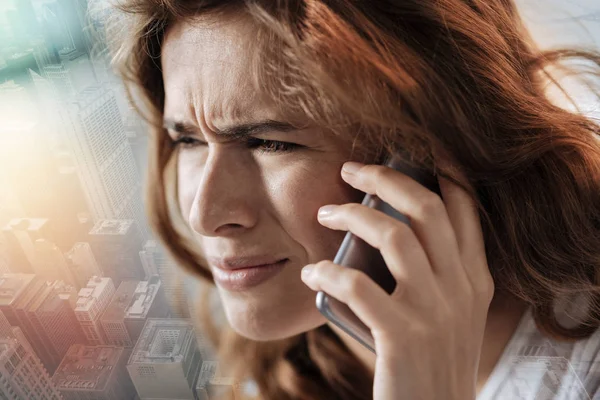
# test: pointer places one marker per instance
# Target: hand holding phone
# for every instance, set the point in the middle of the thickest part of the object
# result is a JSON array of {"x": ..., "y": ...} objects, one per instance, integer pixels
[
  {"x": 356, "y": 253},
  {"x": 428, "y": 334}
]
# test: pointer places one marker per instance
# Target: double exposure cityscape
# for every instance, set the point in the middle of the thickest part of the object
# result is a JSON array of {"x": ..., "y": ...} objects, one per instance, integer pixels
[{"x": 91, "y": 307}]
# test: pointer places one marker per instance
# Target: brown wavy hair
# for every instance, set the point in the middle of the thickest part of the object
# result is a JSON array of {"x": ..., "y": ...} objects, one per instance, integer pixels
[{"x": 458, "y": 76}]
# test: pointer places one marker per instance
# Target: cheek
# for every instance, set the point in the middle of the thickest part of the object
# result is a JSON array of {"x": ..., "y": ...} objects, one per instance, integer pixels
[
  {"x": 297, "y": 201},
  {"x": 186, "y": 188}
]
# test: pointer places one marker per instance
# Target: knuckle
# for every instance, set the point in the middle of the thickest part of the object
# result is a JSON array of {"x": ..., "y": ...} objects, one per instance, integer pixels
[
  {"x": 378, "y": 173},
  {"x": 320, "y": 268},
  {"x": 354, "y": 284},
  {"x": 350, "y": 207},
  {"x": 430, "y": 204},
  {"x": 323, "y": 264},
  {"x": 392, "y": 236}
]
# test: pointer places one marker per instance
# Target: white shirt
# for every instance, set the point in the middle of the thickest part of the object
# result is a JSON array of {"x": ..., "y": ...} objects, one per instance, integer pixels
[{"x": 534, "y": 367}]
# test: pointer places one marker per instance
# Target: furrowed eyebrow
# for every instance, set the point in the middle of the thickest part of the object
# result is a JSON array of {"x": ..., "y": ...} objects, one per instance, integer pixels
[{"x": 235, "y": 131}]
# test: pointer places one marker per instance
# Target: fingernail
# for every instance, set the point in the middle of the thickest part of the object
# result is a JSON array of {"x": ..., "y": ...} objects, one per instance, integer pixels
[
  {"x": 326, "y": 211},
  {"x": 306, "y": 271},
  {"x": 351, "y": 167}
]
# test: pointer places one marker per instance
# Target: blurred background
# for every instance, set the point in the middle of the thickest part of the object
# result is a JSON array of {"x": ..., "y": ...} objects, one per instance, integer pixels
[{"x": 91, "y": 307}]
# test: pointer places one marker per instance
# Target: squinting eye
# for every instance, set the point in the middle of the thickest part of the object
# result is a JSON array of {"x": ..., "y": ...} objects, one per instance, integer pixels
[
  {"x": 271, "y": 146},
  {"x": 186, "y": 142},
  {"x": 262, "y": 145}
]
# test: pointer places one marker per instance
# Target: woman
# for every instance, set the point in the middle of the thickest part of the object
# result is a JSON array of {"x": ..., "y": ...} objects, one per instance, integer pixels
[{"x": 257, "y": 105}]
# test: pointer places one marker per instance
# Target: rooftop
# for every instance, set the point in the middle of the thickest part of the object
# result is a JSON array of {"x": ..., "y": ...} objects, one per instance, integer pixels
[
  {"x": 12, "y": 285},
  {"x": 89, "y": 294},
  {"x": 111, "y": 227},
  {"x": 207, "y": 371},
  {"x": 87, "y": 367},
  {"x": 210, "y": 373},
  {"x": 121, "y": 300},
  {"x": 163, "y": 341},
  {"x": 45, "y": 300},
  {"x": 142, "y": 299}
]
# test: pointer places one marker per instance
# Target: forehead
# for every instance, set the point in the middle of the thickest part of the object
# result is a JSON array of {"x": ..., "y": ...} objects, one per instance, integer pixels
[{"x": 206, "y": 64}]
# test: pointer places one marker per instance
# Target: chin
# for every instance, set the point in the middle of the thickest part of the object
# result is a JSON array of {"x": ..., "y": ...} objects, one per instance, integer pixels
[{"x": 270, "y": 322}]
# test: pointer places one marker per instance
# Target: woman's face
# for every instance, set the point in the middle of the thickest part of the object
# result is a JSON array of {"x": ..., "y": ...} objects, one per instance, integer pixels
[{"x": 251, "y": 196}]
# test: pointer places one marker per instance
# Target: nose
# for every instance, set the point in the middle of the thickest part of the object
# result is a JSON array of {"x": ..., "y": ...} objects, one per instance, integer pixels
[{"x": 225, "y": 202}]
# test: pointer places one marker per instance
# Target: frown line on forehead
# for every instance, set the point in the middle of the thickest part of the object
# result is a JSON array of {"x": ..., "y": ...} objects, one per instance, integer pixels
[{"x": 233, "y": 131}]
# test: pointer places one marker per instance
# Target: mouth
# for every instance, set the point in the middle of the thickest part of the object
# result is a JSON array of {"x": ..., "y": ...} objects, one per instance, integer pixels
[
  {"x": 241, "y": 278},
  {"x": 231, "y": 263}
]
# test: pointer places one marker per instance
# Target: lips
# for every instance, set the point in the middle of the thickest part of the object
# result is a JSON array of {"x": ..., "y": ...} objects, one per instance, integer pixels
[
  {"x": 232, "y": 263},
  {"x": 243, "y": 273}
]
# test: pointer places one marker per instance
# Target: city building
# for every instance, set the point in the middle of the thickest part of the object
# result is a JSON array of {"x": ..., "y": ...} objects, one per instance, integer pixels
[
  {"x": 91, "y": 303},
  {"x": 50, "y": 263},
  {"x": 17, "y": 291},
  {"x": 5, "y": 327},
  {"x": 95, "y": 135},
  {"x": 539, "y": 371},
  {"x": 165, "y": 352},
  {"x": 156, "y": 261},
  {"x": 113, "y": 318},
  {"x": 20, "y": 234},
  {"x": 94, "y": 372},
  {"x": 66, "y": 292},
  {"x": 54, "y": 320},
  {"x": 83, "y": 263},
  {"x": 148, "y": 301},
  {"x": 43, "y": 311},
  {"x": 63, "y": 23},
  {"x": 116, "y": 245},
  {"x": 131, "y": 305},
  {"x": 60, "y": 80},
  {"x": 22, "y": 375},
  {"x": 213, "y": 384}
]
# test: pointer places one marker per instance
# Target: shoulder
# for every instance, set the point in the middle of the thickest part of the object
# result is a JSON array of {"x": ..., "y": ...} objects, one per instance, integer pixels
[{"x": 536, "y": 367}]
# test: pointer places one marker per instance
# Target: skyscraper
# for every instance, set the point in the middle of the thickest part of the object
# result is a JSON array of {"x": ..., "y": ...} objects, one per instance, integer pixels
[
  {"x": 20, "y": 234},
  {"x": 116, "y": 245},
  {"x": 165, "y": 352},
  {"x": 94, "y": 372},
  {"x": 93, "y": 300},
  {"x": 55, "y": 321},
  {"x": 28, "y": 147},
  {"x": 103, "y": 157},
  {"x": 50, "y": 263},
  {"x": 156, "y": 261},
  {"x": 83, "y": 263},
  {"x": 113, "y": 318},
  {"x": 45, "y": 316},
  {"x": 16, "y": 292},
  {"x": 5, "y": 327},
  {"x": 212, "y": 384},
  {"x": 22, "y": 375},
  {"x": 63, "y": 24},
  {"x": 148, "y": 301}
]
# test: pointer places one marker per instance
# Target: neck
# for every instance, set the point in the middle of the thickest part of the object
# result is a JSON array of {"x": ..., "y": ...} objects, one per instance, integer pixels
[{"x": 503, "y": 317}]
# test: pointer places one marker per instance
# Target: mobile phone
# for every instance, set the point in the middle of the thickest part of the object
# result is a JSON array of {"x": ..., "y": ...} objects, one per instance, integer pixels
[{"x": 356, "y": 253}]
